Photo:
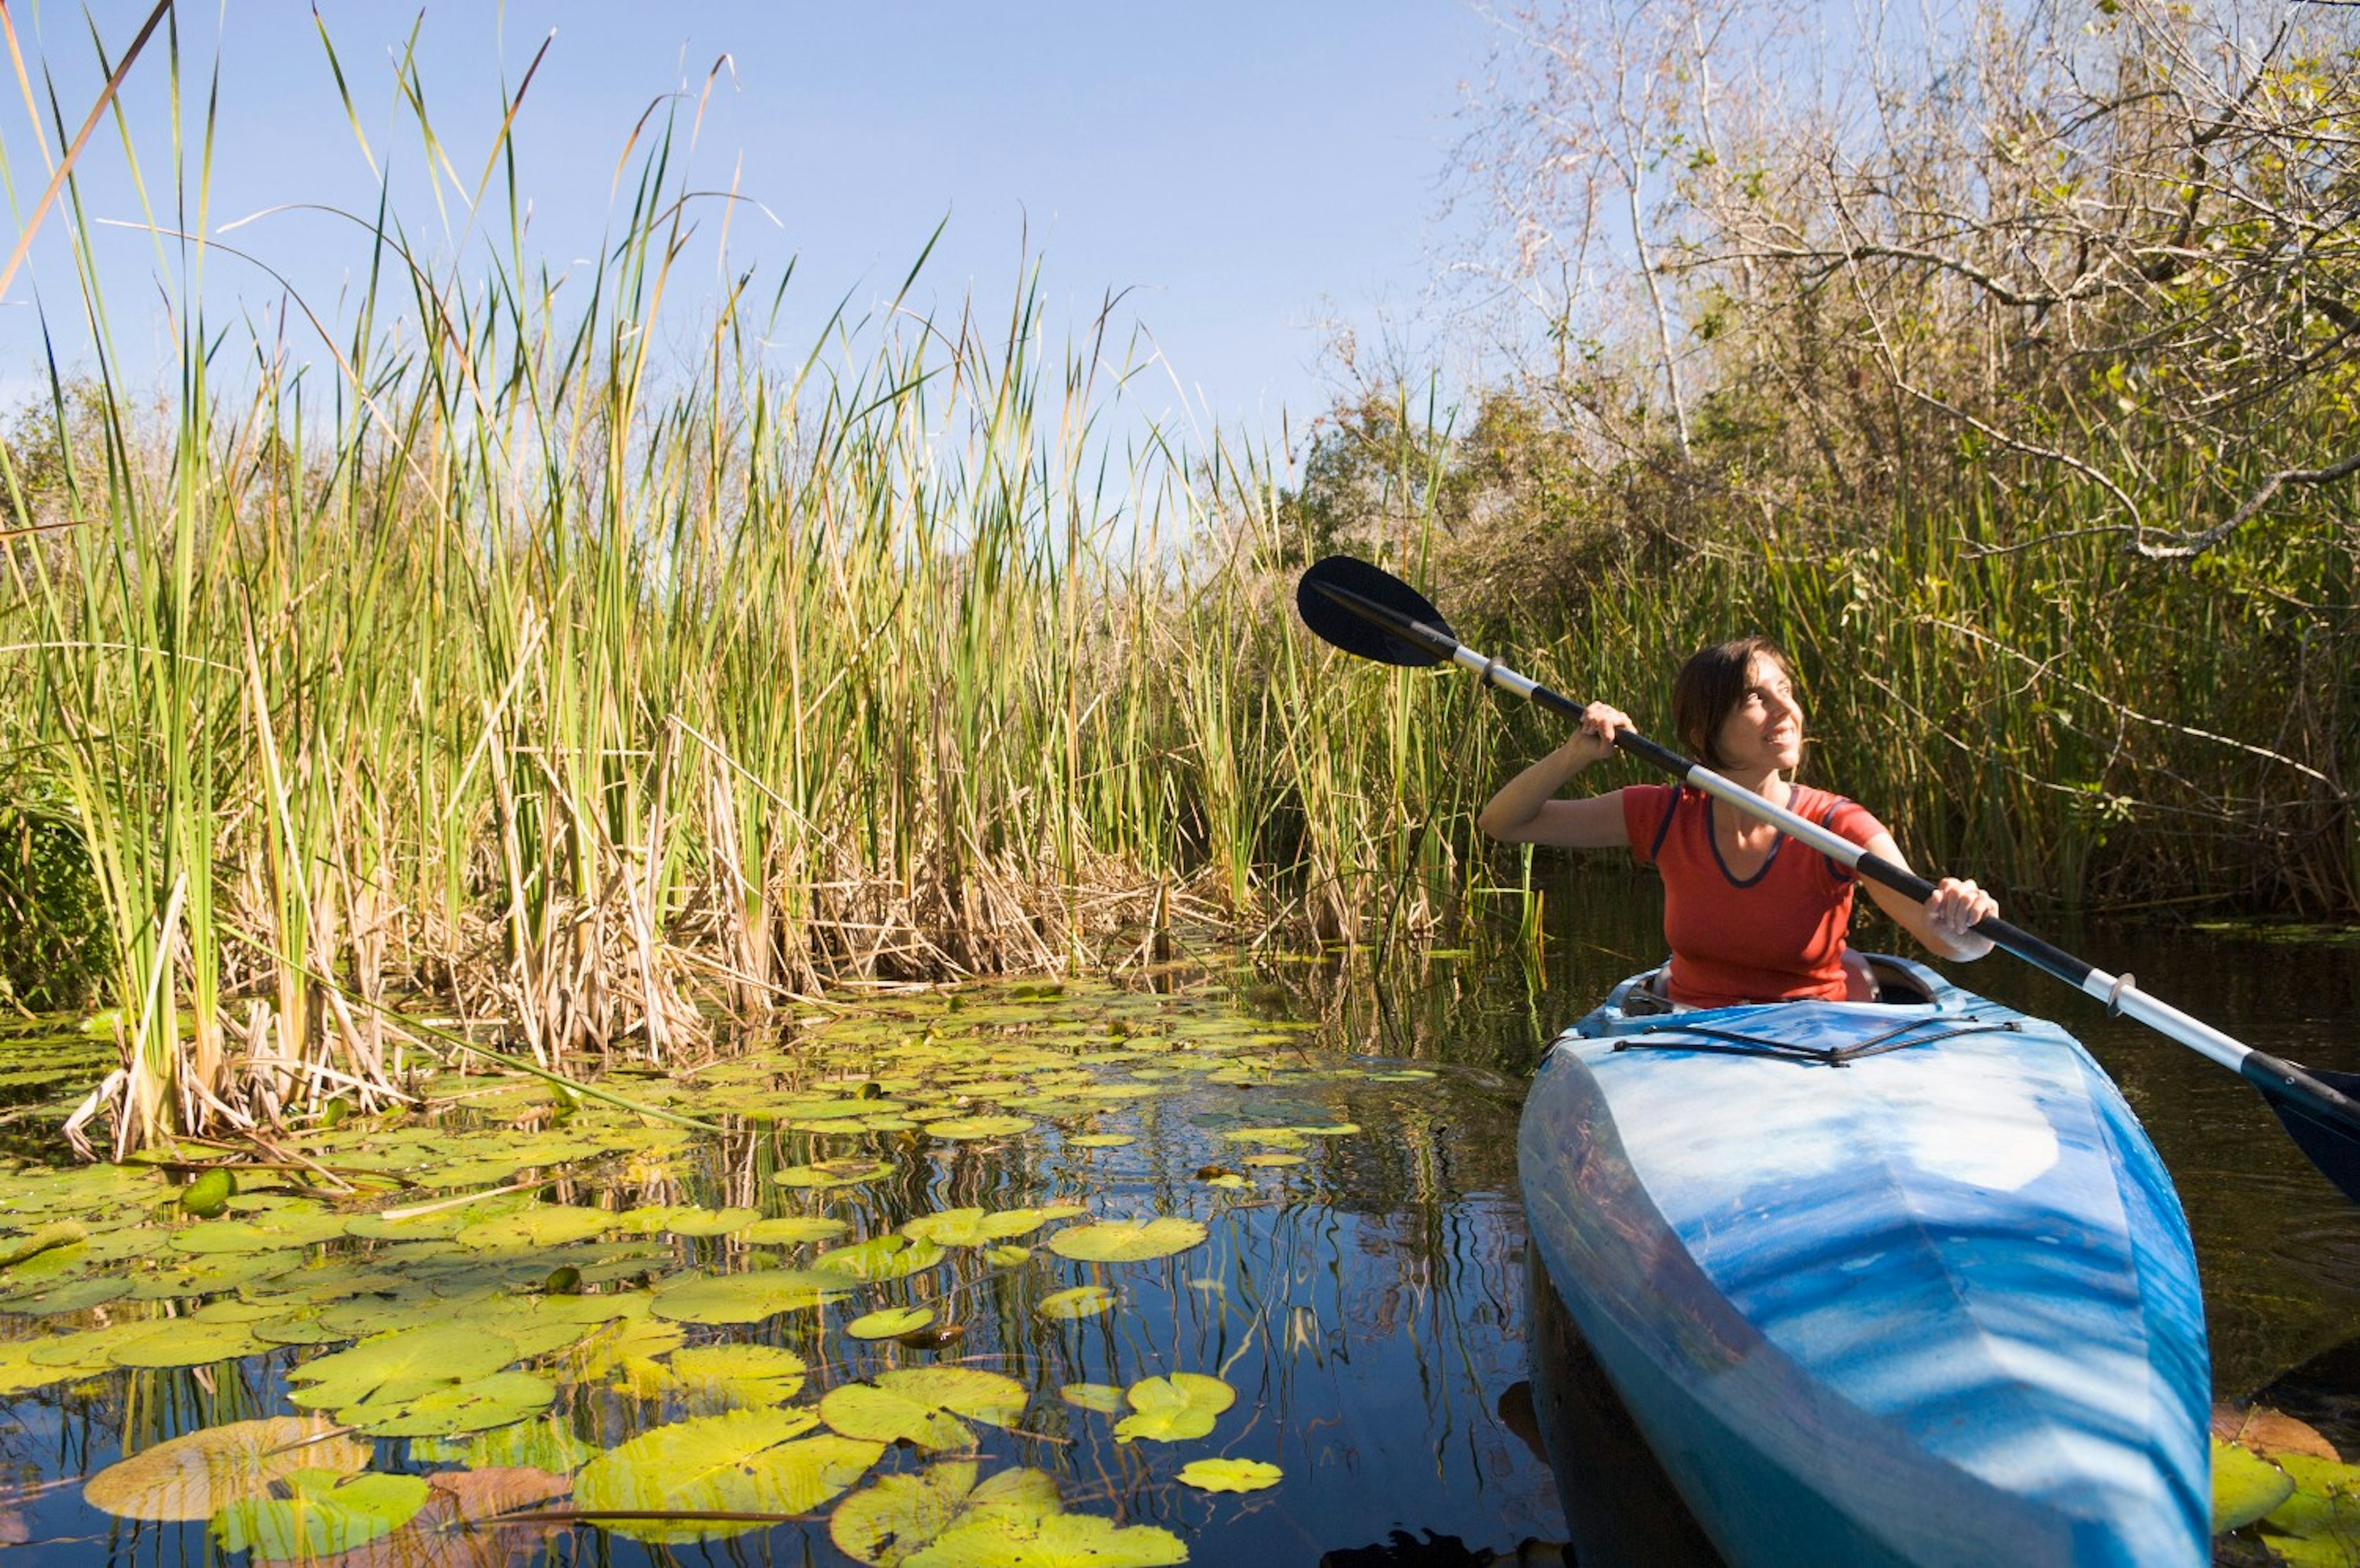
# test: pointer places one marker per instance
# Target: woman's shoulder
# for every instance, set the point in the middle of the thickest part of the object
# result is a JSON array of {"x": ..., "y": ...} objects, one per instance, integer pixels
[{"x": 1839, "y": 813}]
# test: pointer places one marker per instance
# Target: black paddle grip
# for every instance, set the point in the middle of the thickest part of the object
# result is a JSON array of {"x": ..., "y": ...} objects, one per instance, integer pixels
[{"x": 2023, "y": 943}]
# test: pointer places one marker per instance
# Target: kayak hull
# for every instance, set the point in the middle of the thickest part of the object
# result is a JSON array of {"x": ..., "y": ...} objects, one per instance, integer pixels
[{"x": 1936, "y": 1305}]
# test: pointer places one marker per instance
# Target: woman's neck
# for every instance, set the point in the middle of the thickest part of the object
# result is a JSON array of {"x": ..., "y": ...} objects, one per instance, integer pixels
[{"x": 1769, "y": 783}]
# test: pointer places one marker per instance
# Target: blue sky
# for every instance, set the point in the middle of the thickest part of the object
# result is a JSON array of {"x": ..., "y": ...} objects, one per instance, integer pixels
[{"x": 1249, "y": 172}]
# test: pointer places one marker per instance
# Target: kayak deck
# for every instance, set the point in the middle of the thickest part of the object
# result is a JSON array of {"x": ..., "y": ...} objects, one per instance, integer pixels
[{"x": 1935, "y": 1303}]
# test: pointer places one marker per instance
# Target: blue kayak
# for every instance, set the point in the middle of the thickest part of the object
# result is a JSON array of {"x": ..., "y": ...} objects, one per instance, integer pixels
[{"x": 1879, "y": 1282}]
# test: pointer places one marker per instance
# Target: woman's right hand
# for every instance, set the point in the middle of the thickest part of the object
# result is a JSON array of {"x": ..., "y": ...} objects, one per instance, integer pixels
[{"x": 1593, "y": 739}]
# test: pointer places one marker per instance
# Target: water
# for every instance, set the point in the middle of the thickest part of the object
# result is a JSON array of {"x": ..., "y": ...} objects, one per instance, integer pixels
[{"x": 1360, "y": 1293}]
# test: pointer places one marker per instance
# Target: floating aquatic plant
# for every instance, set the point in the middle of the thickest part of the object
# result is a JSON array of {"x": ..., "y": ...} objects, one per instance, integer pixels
[{"x": 200, "y": 1474}]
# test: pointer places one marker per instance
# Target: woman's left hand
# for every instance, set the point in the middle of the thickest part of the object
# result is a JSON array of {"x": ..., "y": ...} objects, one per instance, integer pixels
[{"x": 1956, "y": 904}]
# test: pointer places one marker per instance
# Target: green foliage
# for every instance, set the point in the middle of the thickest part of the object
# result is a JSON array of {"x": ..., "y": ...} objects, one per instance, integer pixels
[{"x": 53, "y": 933}]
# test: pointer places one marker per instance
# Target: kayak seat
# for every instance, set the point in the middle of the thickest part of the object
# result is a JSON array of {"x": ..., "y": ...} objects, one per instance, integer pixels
[
  {"x": 1897, "y": 986},
  {"x": 1890, "y": 983}
]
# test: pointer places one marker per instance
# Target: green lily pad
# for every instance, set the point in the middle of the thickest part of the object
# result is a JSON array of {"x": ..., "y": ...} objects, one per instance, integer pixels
[
  {"x": 1229, "y": 1474},
  {"x": 186, "y": 1342},
  {"x": 746, "y": 1375},
  {"x": 208, "y": 1275},
  {"x": 1174, "y": 1408},
  {"x": 1006, "y": 1257},
  {"x": 1127, "y": 1241},
  {"x": 542, "y": 1225},
  {"x": 227, "y": 1235},
  {"x": 424, "y": 1227},
  {"x": 500, "y": 1400},
  {"x": 321, "y": 1514},
  {"x": 1100, "y": 1140},
  {"x": 1104, "y": 1397},
  {"x": 2244, "y": 1486},
  {"x": 66, "y": 1296},
  {"x": 632, "y": 1348},
  {"x": 1081, "y": 1302},
  {"x": 890, "y": 1323},
  {"x": 391, "y": 1367},
  {"x": 828, "y": 1173},
  {"x": 966, "y": 1127},
  {"x": 689, "y": 1219},
  {"x": 974, "y": 1227},
  {"x": 834, "y": 1110},
  {"x": 896, "y": 1517},
  {"x": 788, "y": 1230},
  {"x": 742, "y": 1462},
  {"x": 921, "y": 1405},
  {"x": 197, "y": 1475},
  {"x": 2320, "y": 1521},
  {"x": 1271, "y": 1161},
  {"x": 544, "y": 1445},
  {"x": 1055, "y": 1540},
  {"x": 887, "y": 1256},
  {"x": 749, "y": 1297}
]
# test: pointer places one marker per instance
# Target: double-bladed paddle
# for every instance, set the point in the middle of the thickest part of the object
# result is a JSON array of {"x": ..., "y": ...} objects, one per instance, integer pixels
[{"x": 1366, "y": 611}]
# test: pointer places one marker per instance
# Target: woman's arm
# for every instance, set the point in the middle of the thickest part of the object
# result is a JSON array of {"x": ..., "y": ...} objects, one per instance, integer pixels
[
  {"x": 1525, "y": 810},
  {"x": 1941, "y": 921}
]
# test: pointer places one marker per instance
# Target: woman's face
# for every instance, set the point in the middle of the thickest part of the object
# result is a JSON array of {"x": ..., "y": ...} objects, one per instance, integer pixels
[{"x": 1764, "y": 731}]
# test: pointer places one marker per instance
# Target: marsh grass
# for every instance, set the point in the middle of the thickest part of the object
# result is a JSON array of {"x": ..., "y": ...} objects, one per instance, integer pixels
[{"x": 602, "y": 697}]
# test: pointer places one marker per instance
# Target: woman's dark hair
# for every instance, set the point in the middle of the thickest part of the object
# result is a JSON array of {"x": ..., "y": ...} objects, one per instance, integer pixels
[{"x": 1708, "y": 687}]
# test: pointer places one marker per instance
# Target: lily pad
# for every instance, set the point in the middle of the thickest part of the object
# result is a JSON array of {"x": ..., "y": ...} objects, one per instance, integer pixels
[
  {"x": 1229, "y": 1474},
  {"x": 1081, "y": 1302},
  {"x": 185, "y": 1342},
  {"x": 1055, "y": 1540},
  {"x": 545, "y": 1445},
  {"x": 689, "y": 1219},
  {"x": 322, "y": 1513},
  {"x": 965, "y": 1128},
  {"x": 743, "y": 1461},
  {"x": 896, "y": 1517},
  {"x": 749, "y": 1297},
  {"x": 66, "y": 1296},
  {"x": 1100, "y": 1140},
  {"x": 2244, "y": 1486},
  {"x": 500, "y": 1400},
  {"x": 833, "y": 1174},
  {"x": 791, "y": 1229},
  {"x": 1174, "y": 1408},
  {"x": 197, "y": 1475},
  {"x": 543, "y": 1224},
  {"x": 974, "y": 1227},
  {"x": 633, "y": 1348},
  {"x": 2320, "y": 1521},
  {"x": 890, "y": 1323},
  {"x": 391, "y": 1367},
  {"x": 1104, "y": 1397},
  {"x": 887, "y": 1256},
  {"x": 745, "y": 1376},
  {"x": 1127, "y": 1241},
  {"x": 921, "y": 1405}
]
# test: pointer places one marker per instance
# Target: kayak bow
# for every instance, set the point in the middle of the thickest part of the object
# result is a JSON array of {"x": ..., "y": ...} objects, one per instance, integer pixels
[{"x": 1879, "y": 1283}]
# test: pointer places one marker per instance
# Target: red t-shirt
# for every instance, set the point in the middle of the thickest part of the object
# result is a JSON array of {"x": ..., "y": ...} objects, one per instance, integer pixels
[{"x": 1779, "y": 935}]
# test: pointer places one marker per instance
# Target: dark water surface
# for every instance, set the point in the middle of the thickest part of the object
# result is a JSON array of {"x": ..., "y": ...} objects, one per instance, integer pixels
[{"x": 1366, "y": 1304}]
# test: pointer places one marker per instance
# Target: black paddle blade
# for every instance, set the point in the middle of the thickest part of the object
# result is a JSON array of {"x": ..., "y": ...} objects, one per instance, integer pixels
[
  {"x": 2332, "y": 1146},
  {"x": 1370, "y": 613}
]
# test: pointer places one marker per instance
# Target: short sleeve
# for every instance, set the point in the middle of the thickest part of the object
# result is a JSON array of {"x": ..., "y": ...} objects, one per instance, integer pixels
[
  {"x": 1851, "y": 820},
  {"x": 1645, "y": 807},
  {"x": 1855, "y": 824}
]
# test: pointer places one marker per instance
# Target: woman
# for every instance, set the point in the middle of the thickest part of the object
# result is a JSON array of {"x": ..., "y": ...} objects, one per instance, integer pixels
[{"x": 1750, "y": 917}]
